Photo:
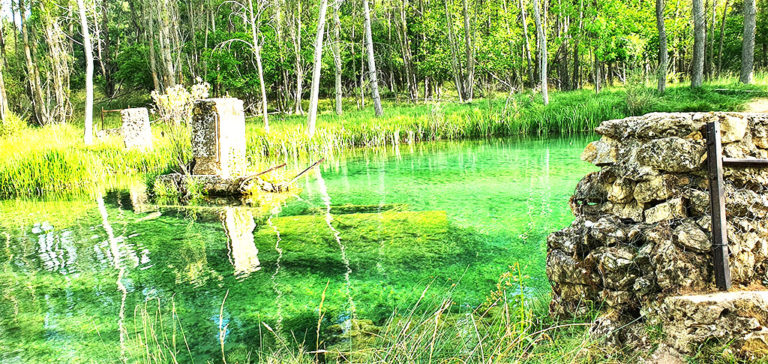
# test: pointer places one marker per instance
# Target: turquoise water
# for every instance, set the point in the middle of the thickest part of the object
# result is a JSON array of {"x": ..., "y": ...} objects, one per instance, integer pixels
[{"x": 117, "y": 278}]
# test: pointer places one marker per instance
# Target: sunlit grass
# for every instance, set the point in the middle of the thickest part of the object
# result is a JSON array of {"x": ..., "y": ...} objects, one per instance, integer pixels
[{"x": 52, "y": 160}]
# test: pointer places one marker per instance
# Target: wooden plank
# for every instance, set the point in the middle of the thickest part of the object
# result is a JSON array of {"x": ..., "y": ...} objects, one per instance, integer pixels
[
  {"x": 754, "y": 163},
  {"x": 717, "y": 203}
]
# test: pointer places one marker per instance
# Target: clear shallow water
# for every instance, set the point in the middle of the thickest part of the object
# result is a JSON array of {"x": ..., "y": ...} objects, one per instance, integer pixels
[{"x": 97, "y": 279}]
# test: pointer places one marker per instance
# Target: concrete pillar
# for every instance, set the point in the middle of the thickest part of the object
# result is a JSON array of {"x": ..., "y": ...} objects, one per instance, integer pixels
[
  {"x": 218, "y": 137},
  {"x": 136, "y": 131}
]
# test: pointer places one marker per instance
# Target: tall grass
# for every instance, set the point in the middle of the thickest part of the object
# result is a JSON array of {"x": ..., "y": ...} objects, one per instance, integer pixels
[
  {"x": 52, "y": 159},
  {"x": 508, "y": 327}
]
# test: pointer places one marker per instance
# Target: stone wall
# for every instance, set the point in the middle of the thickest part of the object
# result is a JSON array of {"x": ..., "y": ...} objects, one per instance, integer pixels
[{"x": 642, "y": 226}]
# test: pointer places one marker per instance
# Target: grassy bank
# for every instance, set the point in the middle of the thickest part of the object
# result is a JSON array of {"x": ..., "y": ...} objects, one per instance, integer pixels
[{"x": 52, "y": 160}]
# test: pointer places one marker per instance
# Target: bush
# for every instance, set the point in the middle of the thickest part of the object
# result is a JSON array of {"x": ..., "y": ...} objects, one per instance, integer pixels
[
  {"x": 12, "y": 124},
  {"x": 175, "y": 105}
]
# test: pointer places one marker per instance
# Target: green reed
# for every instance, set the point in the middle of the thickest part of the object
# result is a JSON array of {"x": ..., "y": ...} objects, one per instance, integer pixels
[{"x": 52, "y": 160}]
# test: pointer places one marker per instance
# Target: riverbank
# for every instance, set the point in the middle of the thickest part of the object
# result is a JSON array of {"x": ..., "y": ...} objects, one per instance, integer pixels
[{"x": 52, "y": 160}]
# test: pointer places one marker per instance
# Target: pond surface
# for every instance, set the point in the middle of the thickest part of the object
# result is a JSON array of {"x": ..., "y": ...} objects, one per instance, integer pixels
[{"x": 115, "y": 278}]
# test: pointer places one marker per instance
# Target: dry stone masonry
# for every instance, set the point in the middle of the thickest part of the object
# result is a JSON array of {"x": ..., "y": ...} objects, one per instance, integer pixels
[
  {"x": 642, "y": 229},
  {"x": 135, "y": 128},
  {"x": 218, "y": 137}
]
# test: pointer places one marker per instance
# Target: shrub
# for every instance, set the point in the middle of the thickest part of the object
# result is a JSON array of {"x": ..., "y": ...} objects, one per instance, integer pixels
[
  {"x": 175, "y": 105},
  {"x": 12, "y": 124}
]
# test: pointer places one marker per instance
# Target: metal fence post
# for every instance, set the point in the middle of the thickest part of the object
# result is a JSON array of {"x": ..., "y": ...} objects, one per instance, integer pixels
[{"x": 717, "y": 203}]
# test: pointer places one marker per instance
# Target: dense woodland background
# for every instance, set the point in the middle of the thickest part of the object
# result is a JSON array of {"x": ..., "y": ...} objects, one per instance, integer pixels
[{"x": 422, "y": 50}]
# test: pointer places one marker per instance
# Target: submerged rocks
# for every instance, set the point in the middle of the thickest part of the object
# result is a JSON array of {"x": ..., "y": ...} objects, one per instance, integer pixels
[{"x": 642, "y": 227}]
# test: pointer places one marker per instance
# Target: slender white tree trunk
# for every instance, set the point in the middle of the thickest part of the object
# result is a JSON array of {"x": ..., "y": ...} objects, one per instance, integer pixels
[
  {"x": 88, "y": 74},
  {"x": 257, "y": 53},
  {"x": 541, "y": 38},
  {"x": 662, "y": 46},
  {"x": 337, "y": 54},
  {"x": 748, "y": 42},
  {"x": 699, "y": 42},
  {"x": 316, "y": 68},
  {"x": 371, "y": 61}
]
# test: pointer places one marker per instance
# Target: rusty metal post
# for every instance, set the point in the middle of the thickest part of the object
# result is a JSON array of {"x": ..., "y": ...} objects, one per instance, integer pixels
[{"x": 717, "y": 203}]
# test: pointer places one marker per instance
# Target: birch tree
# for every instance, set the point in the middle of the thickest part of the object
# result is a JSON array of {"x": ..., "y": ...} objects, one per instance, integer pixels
[
  {"x": 254, "y": 20},
  {"x": 455, "y": 66},
  {"x": 541, "y": 39},
  {"x": 316, "y": 68},
  {"x": 3, "y": 94},
  {"x": 748, "y": 42},
  {"x": 88, "y": 73},
  {"x": 337, "y": 55},
  {"x": 662, "y": 76},
  {"x": 699, "y": 42},
  {"x": 469, "y": 80},
  {"x": 371, "y": 61}
]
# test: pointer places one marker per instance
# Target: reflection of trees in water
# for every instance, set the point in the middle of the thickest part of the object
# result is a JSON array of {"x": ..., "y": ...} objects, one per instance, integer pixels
[
  {"x": 342, "y": 248},
  {"x": 243, "y": 254},
  {"x": 118, "y": 264},
  {"x": 275, "y": 286}
]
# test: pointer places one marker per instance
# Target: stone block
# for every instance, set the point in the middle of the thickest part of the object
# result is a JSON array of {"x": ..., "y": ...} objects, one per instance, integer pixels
[
  {"x": 736, "y": 317},
  {"x": 136, "y": 130},
  {"x": 218, "y": 137}
]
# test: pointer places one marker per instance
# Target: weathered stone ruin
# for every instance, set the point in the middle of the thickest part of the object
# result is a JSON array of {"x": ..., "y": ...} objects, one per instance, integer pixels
[
  {"x": 218, "y": 137},
  {"x": 640, "y": 246},
  {"x": 219, "y": 149},
  {"x": 136, "y": 130}
]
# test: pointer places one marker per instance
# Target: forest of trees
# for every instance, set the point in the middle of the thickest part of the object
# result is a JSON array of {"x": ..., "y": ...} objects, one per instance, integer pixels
[{"x": 263, "y": 51}]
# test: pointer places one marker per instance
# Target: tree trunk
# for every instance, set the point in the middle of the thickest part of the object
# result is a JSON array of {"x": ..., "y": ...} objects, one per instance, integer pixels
[
  {"x": 710, "y": 66},
  {"x": 597, "y": 75},
  {"x": 35, "y": 88},
  {"x": 722, "y": 33},
  {"x": 748, "y": 42},
  {"x": 316, "y": 67},
  {"x": 107, "y": 66},
  {"x": 454, "y": 54},
  {"x": 371, "y": 61},
  {"x": 662, "y": 75},
  {"x": 88, "y": 74},
  {"x": 469, "y": 80},
  {"x": 699, "y": 42},
  {"x": 337, "y": 55},
  {"x": 165, "y": 43},
  {"x": 257, "y": 53},
  {"x": 152, "y": 58},
  {"x": 296, "y": 35},
  {"x": 527, "y": 43},
  {"x": 576, "y": 79},
  {"x": 405, "y": 46},
  {"x": 3, "y": 94},
  {"x": 542, "y": 46}
]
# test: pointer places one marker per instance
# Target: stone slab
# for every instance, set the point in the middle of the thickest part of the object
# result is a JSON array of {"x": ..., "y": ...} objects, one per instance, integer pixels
[{"x": 137, "y": 134}]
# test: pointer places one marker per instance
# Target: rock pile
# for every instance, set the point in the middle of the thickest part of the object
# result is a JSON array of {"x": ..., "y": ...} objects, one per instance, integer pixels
[{"x": 642, "y": 226}]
